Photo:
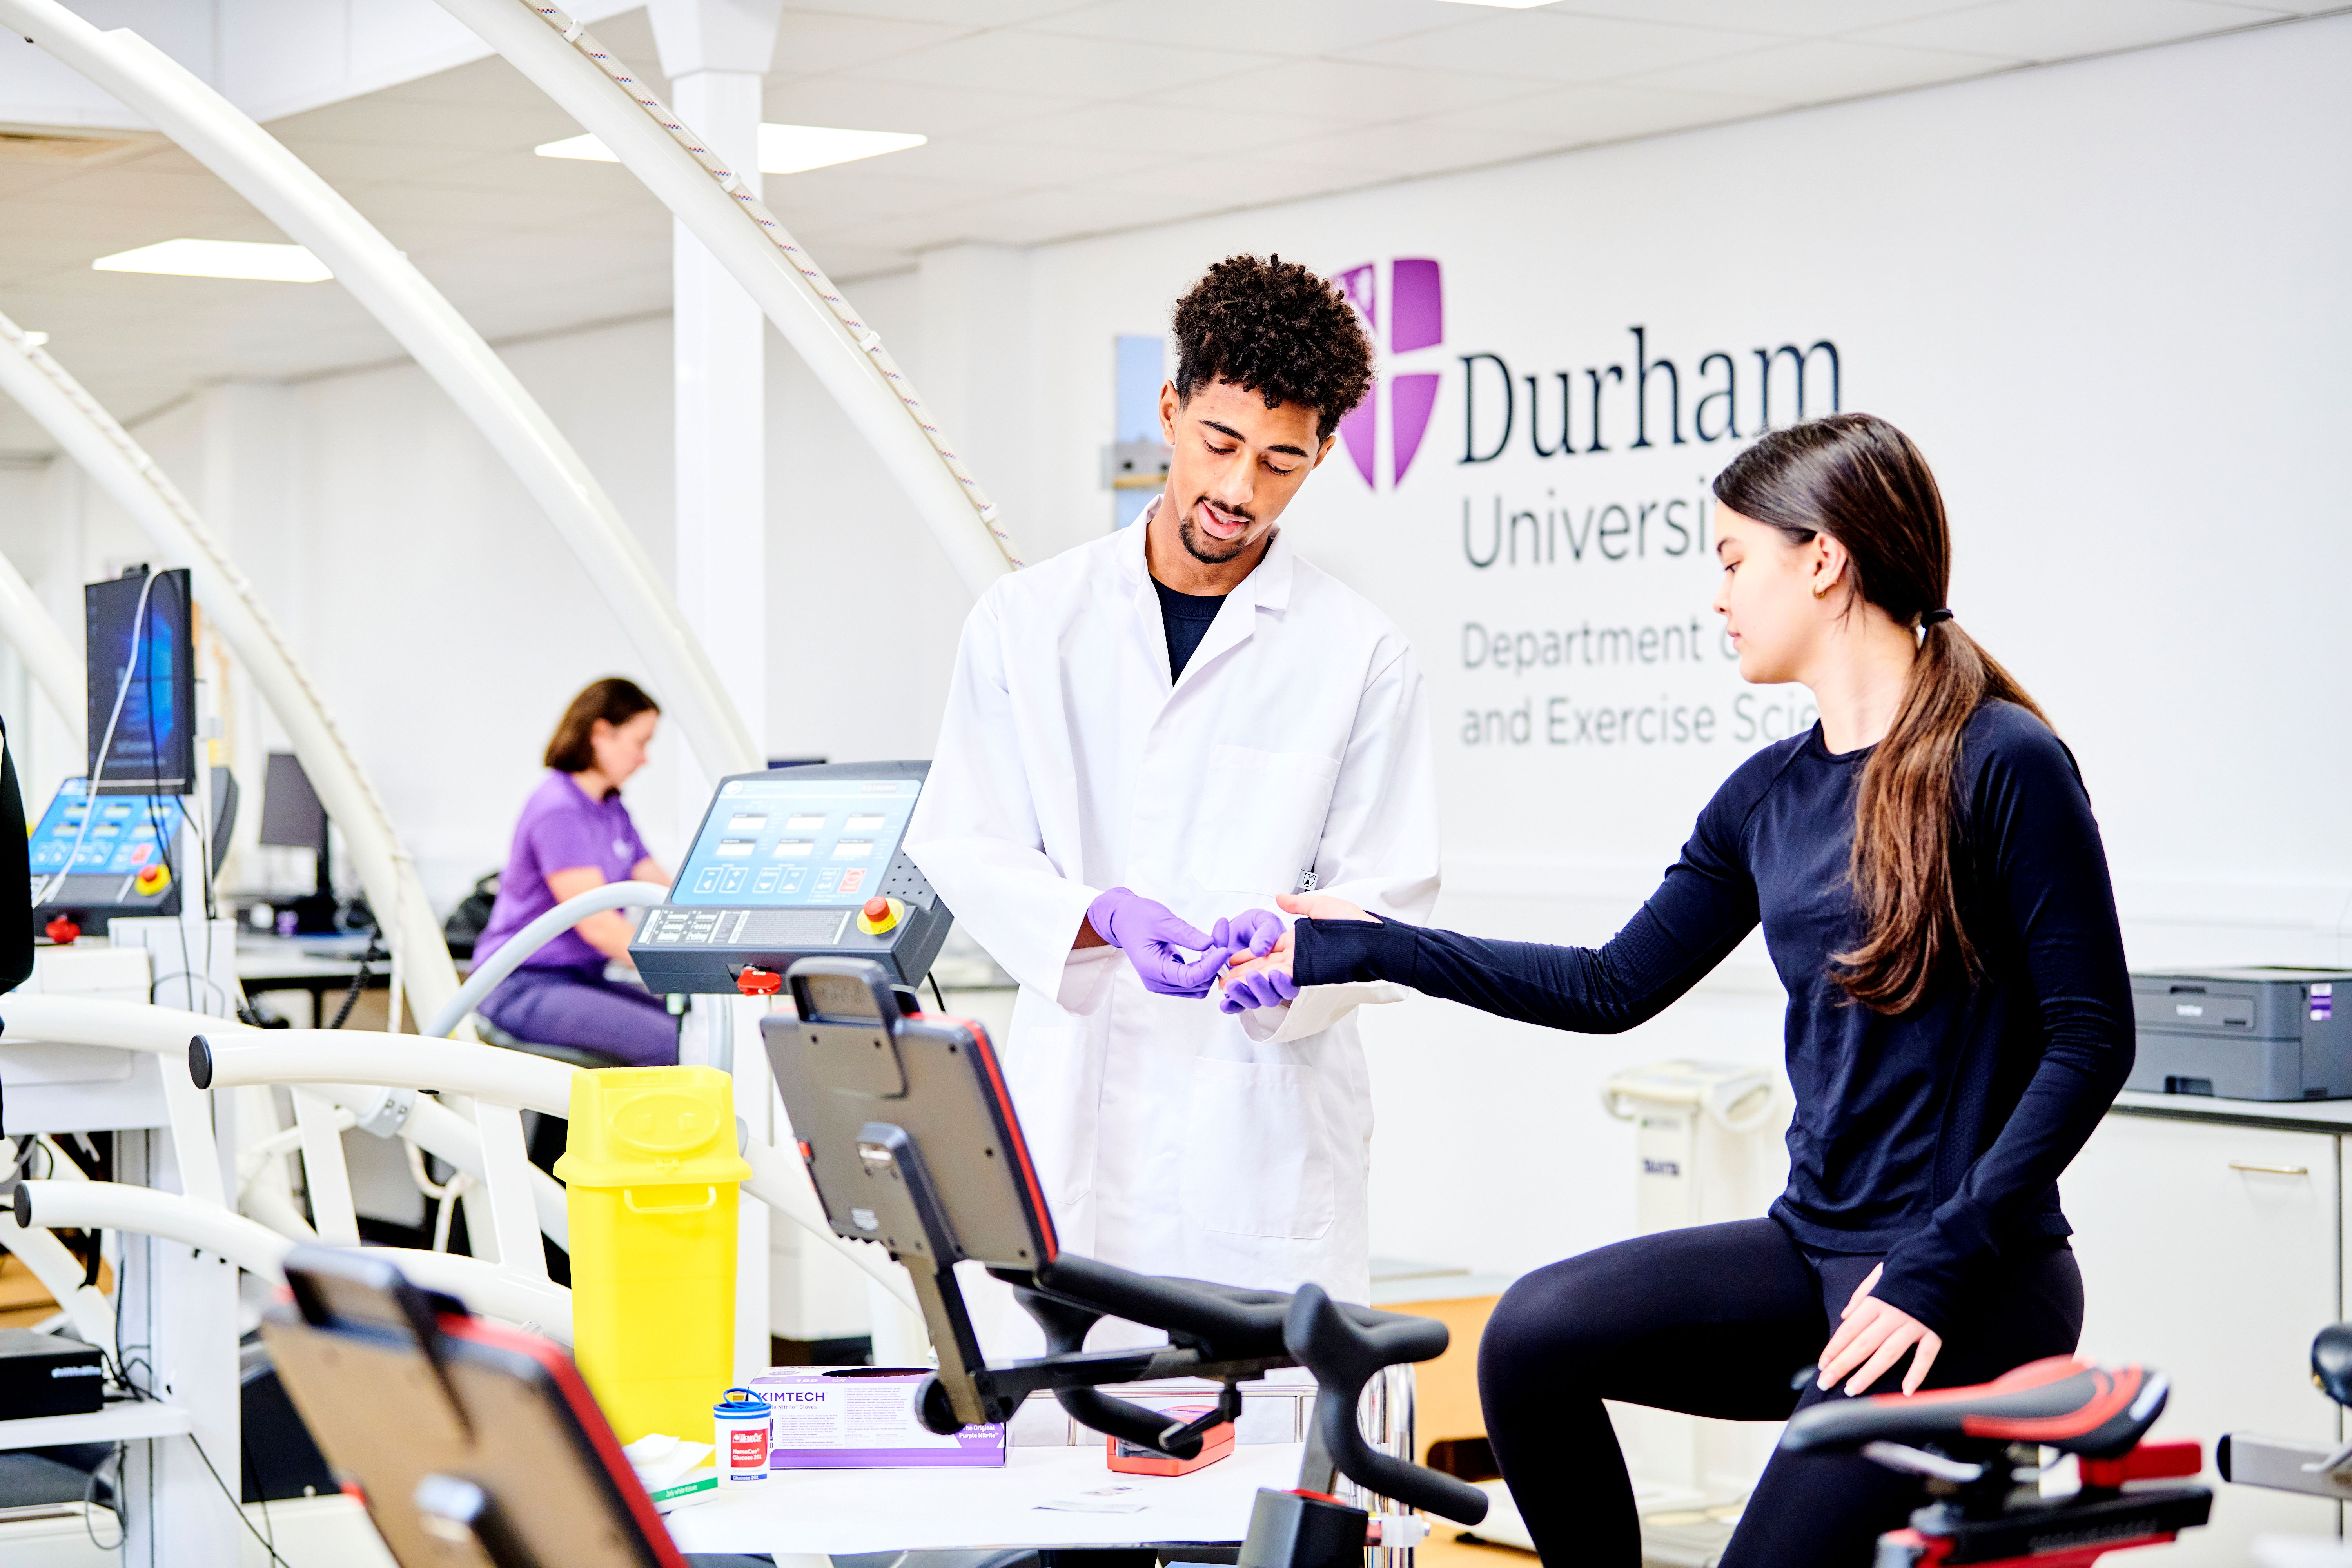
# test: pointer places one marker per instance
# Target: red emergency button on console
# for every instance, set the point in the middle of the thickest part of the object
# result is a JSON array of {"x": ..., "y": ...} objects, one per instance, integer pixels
[{"x": 879, "y": 915}]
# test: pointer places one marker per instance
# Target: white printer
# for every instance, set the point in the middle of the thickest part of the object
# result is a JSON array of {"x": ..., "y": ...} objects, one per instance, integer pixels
[{"x": 2265, "y": 1033}]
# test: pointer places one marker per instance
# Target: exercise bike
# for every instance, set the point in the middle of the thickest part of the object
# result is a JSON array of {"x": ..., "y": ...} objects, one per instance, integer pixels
[
  {"x": 1976, "y": 1447},
  {"x": 468, "y": 1437}
]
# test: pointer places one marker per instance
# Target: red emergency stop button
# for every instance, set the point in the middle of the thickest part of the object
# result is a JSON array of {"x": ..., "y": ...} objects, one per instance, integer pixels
[
  {"x": 879, "y": 915},
  {"x": 62, "y": 930},
  {"x": 757, "y": 981},
  {"x": 152, "y": 879}
]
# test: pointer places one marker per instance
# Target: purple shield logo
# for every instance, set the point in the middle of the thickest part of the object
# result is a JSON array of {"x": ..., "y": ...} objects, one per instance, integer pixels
[{"x": 1414, "y": 308}]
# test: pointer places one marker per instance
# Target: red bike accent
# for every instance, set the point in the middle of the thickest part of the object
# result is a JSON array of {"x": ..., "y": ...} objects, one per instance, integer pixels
[{"x": 2148, "y": 1462}]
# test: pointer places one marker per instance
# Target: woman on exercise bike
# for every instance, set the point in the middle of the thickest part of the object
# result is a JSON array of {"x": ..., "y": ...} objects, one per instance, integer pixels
[{"x": 1934, "y": 895}]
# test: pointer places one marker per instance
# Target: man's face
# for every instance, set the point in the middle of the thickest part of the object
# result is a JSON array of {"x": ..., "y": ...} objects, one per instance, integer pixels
[{"x": 1234, "y": 465}]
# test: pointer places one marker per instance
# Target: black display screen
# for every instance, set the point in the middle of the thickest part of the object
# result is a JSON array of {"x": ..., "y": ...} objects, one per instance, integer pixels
[{"x": 142, "y": 684}]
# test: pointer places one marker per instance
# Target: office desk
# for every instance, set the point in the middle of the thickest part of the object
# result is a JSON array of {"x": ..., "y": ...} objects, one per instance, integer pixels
[
  {"x": 830, "y": 1513},
  {"x": 321, "y": 966}
]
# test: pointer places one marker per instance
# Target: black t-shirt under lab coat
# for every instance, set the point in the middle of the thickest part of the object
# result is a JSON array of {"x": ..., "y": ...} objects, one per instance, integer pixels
[
  {"x": 1936, "y": 1136},
  {"x": 1186, "y": 617}
]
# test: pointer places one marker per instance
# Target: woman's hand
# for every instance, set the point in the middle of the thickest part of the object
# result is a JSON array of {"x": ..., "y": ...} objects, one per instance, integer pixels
[
  {"x": 1321, "y": 906},
  {"x": 1872, "y": 1336}
]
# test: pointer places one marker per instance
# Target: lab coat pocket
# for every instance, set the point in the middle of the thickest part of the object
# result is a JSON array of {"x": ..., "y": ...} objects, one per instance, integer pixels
[
  {"x": 1266, "y": 811},
  {"x": 1260, "y": 1162}
]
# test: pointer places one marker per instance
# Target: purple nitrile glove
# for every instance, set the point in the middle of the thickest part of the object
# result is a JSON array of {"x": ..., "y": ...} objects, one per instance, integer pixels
[
  {"x": 1260, "y": 988},
  {"x": 1252, "y": 932},
  {"x": 1150, "y": 933}
]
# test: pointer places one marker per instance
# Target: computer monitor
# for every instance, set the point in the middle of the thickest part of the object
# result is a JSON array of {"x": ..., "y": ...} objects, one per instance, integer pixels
[
  {"x": 142, "y": 684},
  {"x": 291, "y": 814},
  {"x": 293, "y": 817}
]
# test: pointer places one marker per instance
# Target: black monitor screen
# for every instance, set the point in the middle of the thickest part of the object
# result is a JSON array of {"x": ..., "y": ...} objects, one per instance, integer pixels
[
  {"x": 151, "y": 747},
  {"x": 290, "y": 812}
]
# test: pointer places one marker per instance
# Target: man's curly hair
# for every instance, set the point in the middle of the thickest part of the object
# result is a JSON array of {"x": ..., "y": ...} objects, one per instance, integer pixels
[{"x": 1272, "y": 327}]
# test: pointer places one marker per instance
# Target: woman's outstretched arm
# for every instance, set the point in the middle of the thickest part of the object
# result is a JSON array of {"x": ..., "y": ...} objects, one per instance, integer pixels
[{"x": 1699, "y": 913}]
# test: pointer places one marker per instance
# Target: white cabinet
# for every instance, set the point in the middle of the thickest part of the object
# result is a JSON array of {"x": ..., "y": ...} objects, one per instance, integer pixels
[{"x": 2211, "y": 1251}]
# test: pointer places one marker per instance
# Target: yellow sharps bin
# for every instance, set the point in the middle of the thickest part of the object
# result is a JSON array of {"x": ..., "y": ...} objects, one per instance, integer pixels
[{"x": 651, "y": 1174}]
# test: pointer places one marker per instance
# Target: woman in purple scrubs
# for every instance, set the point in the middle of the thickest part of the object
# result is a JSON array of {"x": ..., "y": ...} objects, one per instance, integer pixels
[{"x": 576, "y": 835}]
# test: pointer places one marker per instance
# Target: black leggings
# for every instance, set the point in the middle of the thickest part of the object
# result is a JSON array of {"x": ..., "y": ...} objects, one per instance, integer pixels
[{"x": 1716, "y": 1320}]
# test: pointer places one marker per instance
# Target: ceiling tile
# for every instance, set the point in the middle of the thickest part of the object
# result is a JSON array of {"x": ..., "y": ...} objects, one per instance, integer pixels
[
  {"x": 1414, "y": 147},
  {"x": 927, "y": 109},
  {"x": 1796, "y": 18},
  {"x": 1562, "y": 48},
  {"x": 1577, "y": 116},
  {"x": 342, "y": 163},
  {"x": 968, "y": 13},
  {"x": 1160, "y": 129},
  {"x": 1095, "y": 68},
  {"x": 809, "y": 42},
  {"x": 1353, "y": 92},
  {"x": 1253, "y": 24},
  {"x": 1823, "y": 70},
  {"x": 1020, "y": 165},
  {"x": 2055, "y": 29},
  {"x": 474, "y": 126}
]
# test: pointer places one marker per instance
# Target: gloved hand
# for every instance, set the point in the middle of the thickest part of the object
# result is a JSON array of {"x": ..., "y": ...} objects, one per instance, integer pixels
[
  {"x": 1251, "y": 933},
  {"x": 1267, "y": 986},
  {"x": 1150, "y": 933}
]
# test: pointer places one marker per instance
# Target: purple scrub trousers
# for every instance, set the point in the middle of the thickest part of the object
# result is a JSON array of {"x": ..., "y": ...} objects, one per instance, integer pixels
[{"x": 551, "y": 1007}]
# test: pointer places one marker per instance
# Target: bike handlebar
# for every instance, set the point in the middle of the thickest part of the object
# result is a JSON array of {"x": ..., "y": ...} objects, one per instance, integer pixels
[{"x": 1344, "y": 1355}]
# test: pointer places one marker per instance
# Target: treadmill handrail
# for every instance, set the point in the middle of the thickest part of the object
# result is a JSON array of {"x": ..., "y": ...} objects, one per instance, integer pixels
[
  {"x": 217, "y": 1059},
  {"x": 516, "y": 949}
]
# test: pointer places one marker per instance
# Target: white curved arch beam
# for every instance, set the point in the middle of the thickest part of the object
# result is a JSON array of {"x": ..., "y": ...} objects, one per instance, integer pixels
[
  {"x": 512, "y": 952},
  {"x": 846, "y": 354},
  {"x": 60, "y": 1274},
  {"x": 33, "y": 632},
  {"x": 123, "y": 470},
  {"x": 217, "y": 1059},
  {"x": 220, "y": 136},
  {"x": 341, "y": 1057},
  {"x": 258, "y": 1249}
]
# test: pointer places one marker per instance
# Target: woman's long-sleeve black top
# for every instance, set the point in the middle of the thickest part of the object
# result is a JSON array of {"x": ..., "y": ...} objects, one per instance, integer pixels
[{"x": 1935, "y": 1136}]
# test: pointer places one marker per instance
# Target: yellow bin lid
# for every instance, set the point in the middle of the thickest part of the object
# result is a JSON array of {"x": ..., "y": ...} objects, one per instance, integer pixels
[{"x": 645, "y": 1126}]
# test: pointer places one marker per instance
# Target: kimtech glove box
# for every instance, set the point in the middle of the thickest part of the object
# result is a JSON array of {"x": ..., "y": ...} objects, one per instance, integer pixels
[{"x": 2267, "y": 1033}]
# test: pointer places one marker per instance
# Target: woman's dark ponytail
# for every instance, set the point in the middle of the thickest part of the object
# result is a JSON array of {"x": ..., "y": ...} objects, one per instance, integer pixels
[{"x": 1859, "y": 481}]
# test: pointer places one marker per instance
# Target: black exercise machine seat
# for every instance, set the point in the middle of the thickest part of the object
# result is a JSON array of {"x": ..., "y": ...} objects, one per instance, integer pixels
[
  {"x": 2062, "y": 1402},
  {"x": 2331, "y": 1362},
  {"x": 909, "y": 1135}
]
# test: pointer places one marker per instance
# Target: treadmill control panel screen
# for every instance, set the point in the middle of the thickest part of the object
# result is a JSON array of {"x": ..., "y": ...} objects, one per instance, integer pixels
[
  {"x": 125, "y": 834},
  {"x": 786, "y": 843}
]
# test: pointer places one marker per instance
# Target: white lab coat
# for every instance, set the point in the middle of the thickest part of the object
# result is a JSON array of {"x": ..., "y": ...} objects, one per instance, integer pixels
[{"x": 1171, "y": 1138}]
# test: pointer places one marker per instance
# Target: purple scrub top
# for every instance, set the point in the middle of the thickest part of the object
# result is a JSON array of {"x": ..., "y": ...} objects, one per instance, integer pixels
[{"x": 561, "y": 829}]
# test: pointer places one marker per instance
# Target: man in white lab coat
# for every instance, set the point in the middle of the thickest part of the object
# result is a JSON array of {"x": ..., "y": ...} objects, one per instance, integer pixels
[{"x": 1162, "y": 730}]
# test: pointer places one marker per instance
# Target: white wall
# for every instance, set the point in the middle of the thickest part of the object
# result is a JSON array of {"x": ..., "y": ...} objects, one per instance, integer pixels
[{"x": 2106, "y": 301}]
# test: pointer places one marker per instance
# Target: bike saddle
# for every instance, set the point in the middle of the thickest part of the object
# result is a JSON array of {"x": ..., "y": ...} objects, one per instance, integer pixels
[
  {"x": 2331, "y": 1362},
  {"x": 2063, "y": 1403}
]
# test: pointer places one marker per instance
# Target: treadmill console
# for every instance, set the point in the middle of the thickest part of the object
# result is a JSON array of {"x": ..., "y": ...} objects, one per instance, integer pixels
[
  {"x": 797, "y": 863},
  {"x": 124, "y": 864}
]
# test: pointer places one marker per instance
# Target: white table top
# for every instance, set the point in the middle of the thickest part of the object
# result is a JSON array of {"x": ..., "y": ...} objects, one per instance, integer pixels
[
  {"x": 836, "y": 1511},
  {"x": 2319, "y": 1115}
]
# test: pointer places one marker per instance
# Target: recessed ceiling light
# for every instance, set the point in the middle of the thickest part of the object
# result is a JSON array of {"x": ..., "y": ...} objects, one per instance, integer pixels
[
  {"x": 35, "y": 340},
  {"x": 783, "y": 149},
  {"x": 220, "y": 258}
]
